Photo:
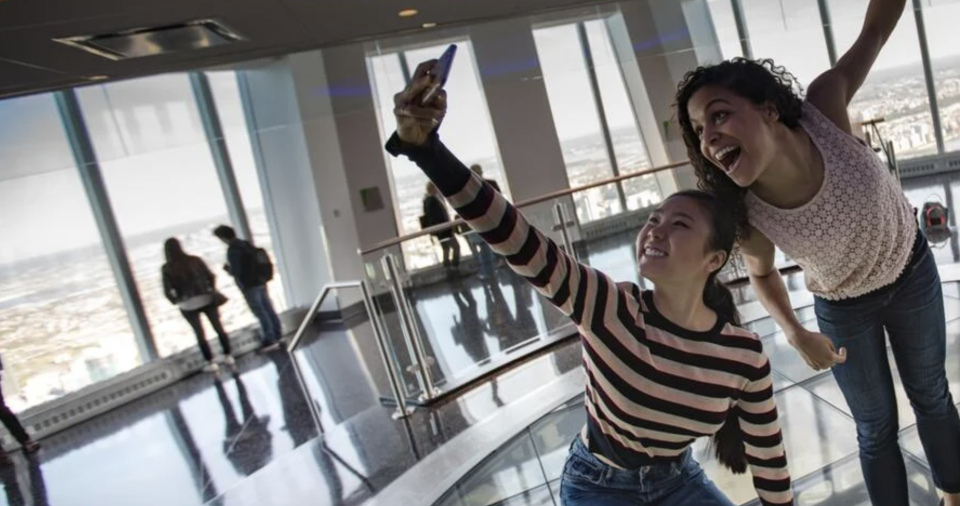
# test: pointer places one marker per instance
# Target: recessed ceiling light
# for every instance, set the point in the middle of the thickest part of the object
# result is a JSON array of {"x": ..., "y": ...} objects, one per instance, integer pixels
[
  {"x": 406, "y": 13},
  {"x": 97, "y": 78},
  {"x": 429, "y": 25}
]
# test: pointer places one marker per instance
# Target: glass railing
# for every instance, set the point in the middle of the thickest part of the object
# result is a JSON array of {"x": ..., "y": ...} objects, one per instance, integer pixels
[
  {"x": 448, "y": 326},
  {"x": 526, "y": 470}
]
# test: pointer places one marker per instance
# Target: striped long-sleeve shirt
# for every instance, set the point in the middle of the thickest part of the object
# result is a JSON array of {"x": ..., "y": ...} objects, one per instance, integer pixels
[{"x": 652, "y": 386}]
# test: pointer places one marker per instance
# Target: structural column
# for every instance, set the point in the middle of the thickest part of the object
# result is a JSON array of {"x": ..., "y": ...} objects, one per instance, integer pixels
[
  {"x": 83, "y": 153},
  {"x": 268, "y": 92},
  {"x": 667, "y": 39}
]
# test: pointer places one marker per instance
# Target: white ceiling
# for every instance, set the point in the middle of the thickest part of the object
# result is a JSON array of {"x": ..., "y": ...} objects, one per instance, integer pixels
[{"x": 30, "y": 61}]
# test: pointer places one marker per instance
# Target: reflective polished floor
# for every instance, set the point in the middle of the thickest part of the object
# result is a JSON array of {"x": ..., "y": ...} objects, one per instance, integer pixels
[{"x": 249, "y": 438}]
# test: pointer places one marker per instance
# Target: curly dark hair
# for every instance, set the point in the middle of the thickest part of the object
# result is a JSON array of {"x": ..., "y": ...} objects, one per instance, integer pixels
[{"x": 759, "y": 81}]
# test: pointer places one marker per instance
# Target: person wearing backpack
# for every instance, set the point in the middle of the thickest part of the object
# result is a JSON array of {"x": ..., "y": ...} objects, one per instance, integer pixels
[{"x": 251, "y": 268}]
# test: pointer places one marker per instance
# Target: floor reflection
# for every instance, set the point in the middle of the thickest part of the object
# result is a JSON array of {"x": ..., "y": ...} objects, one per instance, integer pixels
[
  {"x": 250, "y": 439},
  {"x": 22, "y": 479}
]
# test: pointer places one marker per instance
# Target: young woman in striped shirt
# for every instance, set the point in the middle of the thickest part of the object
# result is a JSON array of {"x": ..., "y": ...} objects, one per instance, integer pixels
[{"x": 664, "y": 367}]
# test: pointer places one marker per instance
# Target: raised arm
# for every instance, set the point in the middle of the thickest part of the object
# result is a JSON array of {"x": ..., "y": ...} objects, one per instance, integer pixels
[
  {"x": 532, "y": 255},
  {"x": 527, "y": 251},
  {"x": 833, "y": 90},
  {"x": 757, "y": 411}
]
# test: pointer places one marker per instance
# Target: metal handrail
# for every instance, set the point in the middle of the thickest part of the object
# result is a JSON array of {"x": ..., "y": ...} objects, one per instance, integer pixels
[
  {"x": 526, "y": 203},
  {"x": 402, "y": 410},
  {"x": 408, "y": 325}
]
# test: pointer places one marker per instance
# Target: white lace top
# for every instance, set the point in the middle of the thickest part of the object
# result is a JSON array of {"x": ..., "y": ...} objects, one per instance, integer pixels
[{"x": 856, "y": 234}]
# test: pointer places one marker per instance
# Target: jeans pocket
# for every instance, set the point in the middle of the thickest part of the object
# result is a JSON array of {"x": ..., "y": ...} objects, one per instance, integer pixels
[{"x": 577, "y": 468}]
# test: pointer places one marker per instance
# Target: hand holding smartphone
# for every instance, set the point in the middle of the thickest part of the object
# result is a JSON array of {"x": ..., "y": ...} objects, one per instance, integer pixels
[{"x": 440, "y": 73}]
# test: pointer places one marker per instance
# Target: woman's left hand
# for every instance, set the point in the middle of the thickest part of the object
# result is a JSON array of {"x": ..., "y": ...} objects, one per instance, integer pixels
[{"x": 416, "y": 120}]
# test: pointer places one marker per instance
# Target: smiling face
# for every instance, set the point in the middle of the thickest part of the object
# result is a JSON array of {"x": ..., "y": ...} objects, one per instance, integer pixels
[
  {"x": 736, "y": 135},
  {"x": 675, "y": 243}
]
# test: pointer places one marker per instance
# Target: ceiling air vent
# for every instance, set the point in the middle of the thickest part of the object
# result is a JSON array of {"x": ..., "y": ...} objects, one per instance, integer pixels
[{"x": 157, "y": 40}]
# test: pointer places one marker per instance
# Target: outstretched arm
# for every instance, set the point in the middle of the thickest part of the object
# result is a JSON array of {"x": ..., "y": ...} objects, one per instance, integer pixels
[
  {"x": 528, "y": 252},
  {"x": 580, "y": 292},
  {"x": 833, "y": 90}
]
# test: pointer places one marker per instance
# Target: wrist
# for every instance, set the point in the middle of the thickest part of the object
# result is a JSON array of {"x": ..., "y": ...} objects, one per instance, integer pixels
[
  {"x": 402, "y": 145},
  {"x": 794, "y": 332},
  {"x": 410, "y": 139}
]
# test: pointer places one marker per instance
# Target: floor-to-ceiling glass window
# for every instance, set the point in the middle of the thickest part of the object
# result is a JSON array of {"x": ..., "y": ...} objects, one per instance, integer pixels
[
  {"x": 576, "y": 118},
  {"x": 629, "y": 147},
  {"x": 791, "y": 33},
  {"x": 469, "y": 133},
  {"x": 895, "y": 90},
  {"x": 725, "y": 26},
  {"x": 940, "y": 19},
  {"x": 226, "y": 95},
  {"x": 162, "y": 182},
  {"x": 563, "y": 53},
  {"x": 63, "y": 325}
]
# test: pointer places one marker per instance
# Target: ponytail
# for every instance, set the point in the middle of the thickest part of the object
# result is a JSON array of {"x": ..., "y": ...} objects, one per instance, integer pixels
[
  {"x": 728, "y": 443},
  {"x": 718, "y": 297}
]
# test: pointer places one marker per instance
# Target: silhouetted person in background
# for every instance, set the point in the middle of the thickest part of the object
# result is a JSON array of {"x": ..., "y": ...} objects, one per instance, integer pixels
[
  {"x": 251, "y": 269},
  {"x": 13, "y": 425},
  {"x": 248, "y": 445},
  {"x": 189, "y": 283},
  {"x": 481, "y": 250},
  {"x": 435, "y": 213}
]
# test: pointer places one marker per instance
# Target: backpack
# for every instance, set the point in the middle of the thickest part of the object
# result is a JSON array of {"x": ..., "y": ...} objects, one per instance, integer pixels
[{"x": 258, "y": 264}]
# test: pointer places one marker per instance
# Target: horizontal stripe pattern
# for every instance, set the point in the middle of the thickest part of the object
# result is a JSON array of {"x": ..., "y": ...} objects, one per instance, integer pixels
[{"x": 652, "y": 387}]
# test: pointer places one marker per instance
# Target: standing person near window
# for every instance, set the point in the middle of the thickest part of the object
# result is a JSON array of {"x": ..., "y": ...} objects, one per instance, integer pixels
[
  {"x": 188, "y": 283},
  {"x": 435, "y": 213},
  {"x": 252, "y": 269},
  {"x": 13, "y": 425},
  {"x": 664, "y": 367},
  {"x": 796, "y": 177}
]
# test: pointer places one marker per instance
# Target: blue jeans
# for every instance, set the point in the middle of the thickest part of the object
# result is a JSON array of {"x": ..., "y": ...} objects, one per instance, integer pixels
[
  {"x": 259, "y": 301},
  {"x": 911, "y": 311},
  {"x": 587, "y": 481}
]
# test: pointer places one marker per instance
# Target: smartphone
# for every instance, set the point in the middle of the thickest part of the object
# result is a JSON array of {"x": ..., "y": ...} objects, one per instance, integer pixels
[{"x": 440, "y": 73}]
